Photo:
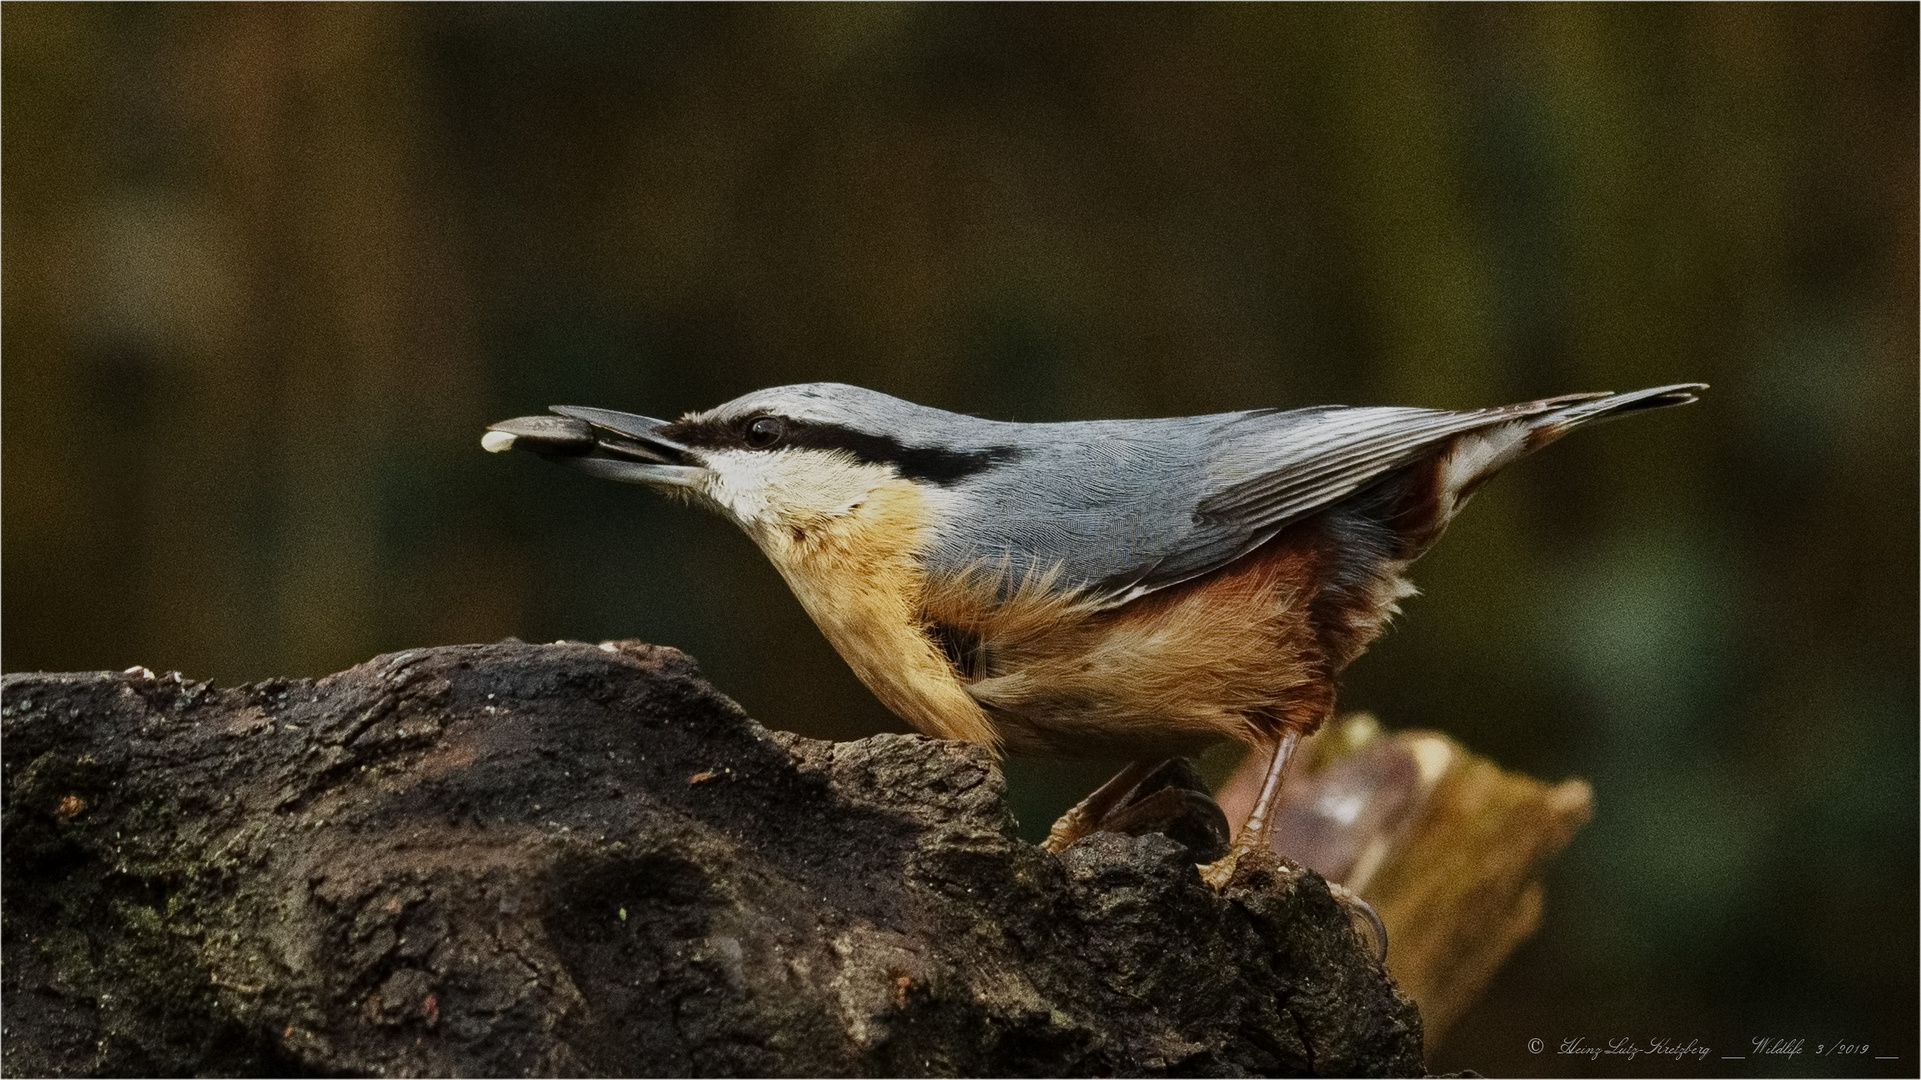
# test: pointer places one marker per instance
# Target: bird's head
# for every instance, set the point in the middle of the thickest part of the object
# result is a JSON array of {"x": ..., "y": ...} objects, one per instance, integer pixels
[{"x": 788, "y": 458}]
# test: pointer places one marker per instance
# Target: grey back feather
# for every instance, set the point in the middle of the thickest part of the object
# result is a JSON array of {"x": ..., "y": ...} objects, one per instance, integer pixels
[{"x": 1124, "y": 507}]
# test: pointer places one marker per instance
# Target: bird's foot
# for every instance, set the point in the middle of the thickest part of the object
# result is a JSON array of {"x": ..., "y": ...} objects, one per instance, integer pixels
[
  {"x": 1170, "y": 799},
  {"x": 1219, "y": 872},
  {"x": 1367, "y": 922}
]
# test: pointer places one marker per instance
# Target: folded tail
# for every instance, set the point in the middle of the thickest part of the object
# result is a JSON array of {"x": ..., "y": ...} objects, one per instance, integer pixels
[
  {"x": 1478, "y": 455},
  {"x": 1547, "y": 427}
]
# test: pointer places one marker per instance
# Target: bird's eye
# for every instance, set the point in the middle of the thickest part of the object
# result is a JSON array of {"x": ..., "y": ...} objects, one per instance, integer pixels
[{"x": 763, "y": 432}]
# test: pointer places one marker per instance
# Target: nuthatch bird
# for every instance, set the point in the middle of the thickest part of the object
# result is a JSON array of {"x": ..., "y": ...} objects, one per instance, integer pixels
[{"x": 1135, "y": 589}]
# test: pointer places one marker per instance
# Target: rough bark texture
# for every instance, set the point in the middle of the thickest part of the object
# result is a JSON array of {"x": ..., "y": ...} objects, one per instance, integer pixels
[{"x": 517, "y": 859}]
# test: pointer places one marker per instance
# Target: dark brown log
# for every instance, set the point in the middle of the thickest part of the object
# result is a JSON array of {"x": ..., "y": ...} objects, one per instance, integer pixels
[{"x": 516, "y": 859}]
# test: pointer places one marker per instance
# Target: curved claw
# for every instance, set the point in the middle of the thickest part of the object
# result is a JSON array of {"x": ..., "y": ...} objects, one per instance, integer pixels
[{"x": 1357, "y": 906}]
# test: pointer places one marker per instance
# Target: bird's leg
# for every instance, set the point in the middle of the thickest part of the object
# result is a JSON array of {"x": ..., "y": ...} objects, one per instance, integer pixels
[
  {"x": 1086, "y": 816},
  {"x": 1253, "y": 837},
  {"x": 1253, "y": 834}
]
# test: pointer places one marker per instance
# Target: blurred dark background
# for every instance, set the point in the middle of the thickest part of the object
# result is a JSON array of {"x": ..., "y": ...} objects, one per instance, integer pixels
[{"x": 269, "y": 270}]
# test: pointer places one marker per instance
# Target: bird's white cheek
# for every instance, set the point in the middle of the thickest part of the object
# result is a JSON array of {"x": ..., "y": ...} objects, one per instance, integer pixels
[
  {"x": 742, "y": 508},
  {"x": 786, "y": 492},
  {"x": 739, "y": 486}
]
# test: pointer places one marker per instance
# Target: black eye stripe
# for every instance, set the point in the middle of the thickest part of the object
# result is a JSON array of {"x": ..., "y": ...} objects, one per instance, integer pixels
[{"x": 935, "y": 465}]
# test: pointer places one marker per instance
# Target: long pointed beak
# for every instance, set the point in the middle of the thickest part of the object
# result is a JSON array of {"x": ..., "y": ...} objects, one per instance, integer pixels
[
  {"x": 600, "y": 442},
  {"x": 627, "y": 431}
]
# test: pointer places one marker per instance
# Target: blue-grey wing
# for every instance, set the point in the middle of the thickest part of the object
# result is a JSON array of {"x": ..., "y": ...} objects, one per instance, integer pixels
[{"x": 1122, "y": 509}]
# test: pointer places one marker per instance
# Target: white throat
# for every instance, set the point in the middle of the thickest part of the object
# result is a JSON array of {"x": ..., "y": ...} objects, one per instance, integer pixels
[{"x": 787, "y": 490}]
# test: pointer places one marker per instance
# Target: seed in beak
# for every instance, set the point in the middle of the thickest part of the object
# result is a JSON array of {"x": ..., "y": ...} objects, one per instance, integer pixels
[{"x": 551, "y": 436}]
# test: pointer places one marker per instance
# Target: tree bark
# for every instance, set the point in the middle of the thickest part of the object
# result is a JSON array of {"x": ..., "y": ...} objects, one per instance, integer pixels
[{"x": 516, "y": 859}]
